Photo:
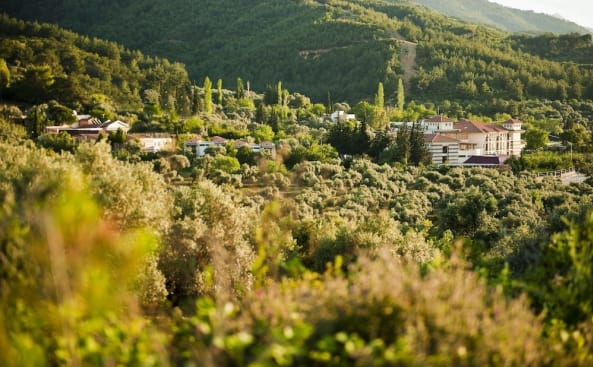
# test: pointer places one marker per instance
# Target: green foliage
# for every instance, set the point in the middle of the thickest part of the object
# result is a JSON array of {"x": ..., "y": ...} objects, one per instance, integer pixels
[
  {"x": 104, "y": 262},
  {"x": 219, "y": 95},
  {"x": 561, "y": 284},
  {"x": 207, "y": 95},
  {"x": 263, "y": 133},
  {"x": 61, "y": 142},
  {"x": 380, "y": 97},
  {"x": 349, "y": 138},
  {"x": 46, "y": 62},
  {"x": 226, "y": 164},
  {"x": 401, "y": 98},
  {"x": 360, "y": 42},
  {"x": 4, "y": 77},
  {"x": 358, "y": 320},
  {"x": 67, "y": 274},
  {"x": 535, "y": 138}
]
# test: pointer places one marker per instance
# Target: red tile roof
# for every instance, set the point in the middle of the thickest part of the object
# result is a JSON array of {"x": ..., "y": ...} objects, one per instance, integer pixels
[
  {"x": 439, "y": 118},
  {"x": 218, "y": 140},
  {"x": 468, "y": 126},
  {"x": 439, "y": 138},
  {"x": 512, "y": 122}
]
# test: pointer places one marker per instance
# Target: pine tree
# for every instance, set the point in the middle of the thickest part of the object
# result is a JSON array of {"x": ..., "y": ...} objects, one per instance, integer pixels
[
  {"x": 207, "y": 95},
  {"x": 402, "y": 144},
  {"x": 419, "y": 153},
  {"x": 219, "y": 91},
  {"x": 401, "y": 98}
]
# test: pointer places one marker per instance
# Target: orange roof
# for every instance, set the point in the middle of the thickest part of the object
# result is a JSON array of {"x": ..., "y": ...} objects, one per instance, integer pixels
[
  {"x": 439, "y": 118},
  {"x": 512, "y": 122},
  {"x": 218, "y": 139},
  {"x": 439, "y": 138},
  {"x": 468, "y": 126}
]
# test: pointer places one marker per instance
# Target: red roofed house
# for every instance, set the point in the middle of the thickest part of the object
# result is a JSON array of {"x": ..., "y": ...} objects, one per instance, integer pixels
[
  {"x": 480, "y": 138},
  {"x": 454, "y": 143}
]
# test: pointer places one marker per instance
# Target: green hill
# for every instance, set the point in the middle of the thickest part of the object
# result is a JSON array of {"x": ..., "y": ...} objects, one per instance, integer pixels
[
  {"x": 45, "y": 62},
  {"x": 317, "y": 47},
  {"x": 508, "y": 19}
]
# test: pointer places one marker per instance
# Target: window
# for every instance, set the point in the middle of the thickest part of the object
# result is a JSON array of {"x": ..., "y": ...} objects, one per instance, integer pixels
[{"x": 445, "y": 149}]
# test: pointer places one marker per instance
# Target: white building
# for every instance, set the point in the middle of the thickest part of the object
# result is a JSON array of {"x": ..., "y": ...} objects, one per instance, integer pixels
[
  {"x": 437, "y": 124},
  {"x": 466, "y": 139},
  {"x": 341, "y": 116},
  {"x": 154, "y": 142}
]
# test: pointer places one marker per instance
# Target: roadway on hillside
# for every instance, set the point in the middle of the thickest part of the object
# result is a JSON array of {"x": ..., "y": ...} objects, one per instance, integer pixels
[{"x": 407, "y": 54}]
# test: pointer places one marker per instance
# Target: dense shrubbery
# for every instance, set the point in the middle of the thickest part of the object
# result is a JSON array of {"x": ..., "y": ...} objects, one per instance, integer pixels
[
  {"x": 103, "y": 262},
  {"x": 315, "y": 255}
]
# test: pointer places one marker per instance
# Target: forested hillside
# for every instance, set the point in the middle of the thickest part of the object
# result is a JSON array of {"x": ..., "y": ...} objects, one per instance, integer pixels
[
  {"x": 44, "y": 62},
  {"x": 512, "y": 20},
  {"x": 340, "y": 245},
  {"x": 339, "y": 47}
]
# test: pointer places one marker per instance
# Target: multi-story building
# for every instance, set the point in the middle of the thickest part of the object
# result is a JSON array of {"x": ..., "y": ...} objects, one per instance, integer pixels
[{"x": 455, "y": 143}]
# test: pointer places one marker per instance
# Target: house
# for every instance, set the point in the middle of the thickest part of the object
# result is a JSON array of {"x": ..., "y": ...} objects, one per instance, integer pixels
[
  {"x": 154, "y": 142},
  {"x": 256, "y": 148},
  {"x": 199, "y": 146},
  {"x": 218, "y": 140},
  {"x": 455, "y": 143},
  {"x": 395, "y": 126},
  {"x": 112, "y": 126},
  {"x": 269, "y": 148},
  {"x": 88, "y": 125},
  {"x": 482, "y": 138},
  {"x": 341, "y": 116}
]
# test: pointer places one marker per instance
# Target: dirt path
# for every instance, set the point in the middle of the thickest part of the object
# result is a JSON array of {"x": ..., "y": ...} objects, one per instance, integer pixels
[
  {"x": 407, "y": 59},
  {"x": 407, "y": 54}
]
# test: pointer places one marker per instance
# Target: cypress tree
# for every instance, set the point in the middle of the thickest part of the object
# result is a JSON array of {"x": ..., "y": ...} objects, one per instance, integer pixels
[
  {"x": 380, "y": 97},
  {"x": 219, "y": 91},
  {"x": 401, "y": 98},
  {"x": 279, "y": 91},
  {"x": 240, "y": 93},
  {"x": 207, "y": 95}
]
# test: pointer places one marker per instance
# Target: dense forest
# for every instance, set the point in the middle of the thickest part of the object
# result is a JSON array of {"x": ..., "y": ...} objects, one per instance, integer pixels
[
  {"x": 339, "y": 47},
  {"x": 46, "y": 62},
  {"x": 345, "y": 247}
]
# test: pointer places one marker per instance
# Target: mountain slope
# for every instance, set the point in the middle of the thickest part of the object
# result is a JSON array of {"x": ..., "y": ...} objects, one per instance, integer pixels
[
  {"x": 328, "y": 46},
  {"x": 512, "y": 20},
  {"x": 49, "y": 63}
]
